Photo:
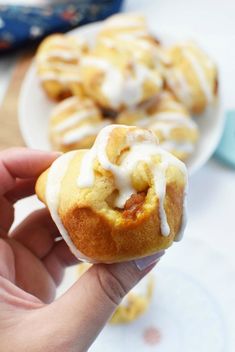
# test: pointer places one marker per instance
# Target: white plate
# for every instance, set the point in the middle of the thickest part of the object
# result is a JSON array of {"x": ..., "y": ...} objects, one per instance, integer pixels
[
  {"x": 192, "y": 308},
  {"x": 35, "y": 107}
]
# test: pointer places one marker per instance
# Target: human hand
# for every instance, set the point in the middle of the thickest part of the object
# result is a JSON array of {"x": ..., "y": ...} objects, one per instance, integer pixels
[{"x": 32, "y": 262}]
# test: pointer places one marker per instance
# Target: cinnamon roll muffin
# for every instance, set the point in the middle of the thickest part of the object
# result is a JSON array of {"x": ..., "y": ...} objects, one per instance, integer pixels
[
  {"x": 116, "y": 80},
  {"x": 74, "y": 124},
  {"x": 169, "y": 120},
  {"x": 192, "y": 76},
  {"x": 125, "y": 23},
  {"x": 122, "y": 199},
  {"x": 57, "y": 62}
]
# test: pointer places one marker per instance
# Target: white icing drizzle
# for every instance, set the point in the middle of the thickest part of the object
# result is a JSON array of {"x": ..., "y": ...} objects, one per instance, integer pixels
[
  {"x": 173, "y": 105},
  {"x": 160, "y": 189},
  {"x": 165, "y": 127},
  {"x": 166, "y": 122},
  {"x": 65, "y": 42},
  {"x": 169, "y": 116},
  {"x": 59, "y": 66},
  {"x": 63, "y": 54},
  {"x": 179, "y": 85},
  {"x": 77, "y": 134},
  {"x": 65, "y": 104},
  {"x": 200, "y": 73},
  {"x": 181, "y": 146},
  {"x": 73, "y": 119},
  {"x": 120, "y": 89},
  {"x": 139, "y": 151},
  {"x": 63, "y": 78},
  {"x": 55, "y": 176}
]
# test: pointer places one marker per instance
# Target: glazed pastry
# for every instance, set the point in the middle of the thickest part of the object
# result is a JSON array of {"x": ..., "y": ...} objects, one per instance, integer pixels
[
  {"x": 192, "y": 76},
  {"x": 169, "y": 121},
  {"x": 74, "y": 124},
  {"x": 57, "y": 62},
  {"x": 122, "y": 199},
  {"x": 116, "y": 80},
  {"x": 134, "y": 304},
  {"x": 145, "y": 50},
  {"x": 125, "y": 23},
  {"x": 129, "y": 34}
]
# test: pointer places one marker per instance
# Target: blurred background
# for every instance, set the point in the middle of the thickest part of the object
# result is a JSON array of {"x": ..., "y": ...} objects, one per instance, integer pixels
[{"x": 192, "y": 308}]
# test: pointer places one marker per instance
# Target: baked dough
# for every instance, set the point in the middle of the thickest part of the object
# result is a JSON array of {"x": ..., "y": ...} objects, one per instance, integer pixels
[
  {"x": 57, "y": 62},
  {"x": 169, "y": 120},
  {"x": 74, "y": 124},
  {"x": 115, "y": 79},
  {"x": 192, "y": 76},
  {"x": 122, "y": 199}
]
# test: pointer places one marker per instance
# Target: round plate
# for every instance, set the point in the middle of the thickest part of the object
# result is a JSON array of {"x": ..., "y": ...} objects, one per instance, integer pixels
[
  {"x": 192, "y": 308},
  {"x": 35, "y": 107}
]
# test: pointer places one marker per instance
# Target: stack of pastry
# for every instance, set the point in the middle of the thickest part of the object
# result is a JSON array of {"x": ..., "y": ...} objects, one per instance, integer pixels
[
  {"x": 126, "y": 76},
  {"x": 124, "y": 198}
]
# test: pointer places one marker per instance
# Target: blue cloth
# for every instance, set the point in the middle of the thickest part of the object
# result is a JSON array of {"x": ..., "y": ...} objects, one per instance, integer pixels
[
  {"x": 23, "y": 24},
  {"x": 226, "y": 148}
]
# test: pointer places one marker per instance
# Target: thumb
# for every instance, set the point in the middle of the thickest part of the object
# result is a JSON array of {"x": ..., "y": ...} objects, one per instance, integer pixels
[{"x": 85, "y": 308}]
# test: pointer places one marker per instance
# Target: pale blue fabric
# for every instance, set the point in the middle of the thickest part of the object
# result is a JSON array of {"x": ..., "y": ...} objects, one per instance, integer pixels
[{"x": 226, "y": 148}]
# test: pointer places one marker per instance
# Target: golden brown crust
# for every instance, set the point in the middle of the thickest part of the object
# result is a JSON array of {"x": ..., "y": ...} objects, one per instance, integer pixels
[
  {"x": 105, "y": 233},
  {"x": 100, "y": 240}
]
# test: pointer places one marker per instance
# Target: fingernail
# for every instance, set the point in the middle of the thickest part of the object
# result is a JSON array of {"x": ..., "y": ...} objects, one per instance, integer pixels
[{"x": 146, "y": 262}]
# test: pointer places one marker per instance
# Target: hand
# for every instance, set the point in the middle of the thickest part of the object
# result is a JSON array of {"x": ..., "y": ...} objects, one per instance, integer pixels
[{"x": 32, "y": 263}]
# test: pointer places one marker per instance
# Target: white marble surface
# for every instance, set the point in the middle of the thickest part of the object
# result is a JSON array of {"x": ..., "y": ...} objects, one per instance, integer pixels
[{"x": 212, "y": 190}]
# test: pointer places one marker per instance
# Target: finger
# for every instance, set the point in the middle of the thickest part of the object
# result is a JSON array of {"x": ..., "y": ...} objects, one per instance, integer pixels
[
  {"x": 37, "y": 233},
  {"x": 7, "y": 261},
  {"x": 22, "y": 189},
  {"x": 6, "y": 216},
  {"x": 22, "y": 163},
  {"x": 8, "y": 291},
  {"x": 87, "y": 306},
  {"x": 58, "y": 259},
  {"x": 30, "y": 273}
]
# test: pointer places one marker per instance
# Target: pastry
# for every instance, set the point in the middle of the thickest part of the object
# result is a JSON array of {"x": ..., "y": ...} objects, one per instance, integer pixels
[
  {"x": 125, "y": 23},
  {"x": 134, "y": 304},
  {"x": 122, "y": 199},
  {"x": 192, "y": 76},
  {"x": 57, "y": 62},
  {"x": 115, "y": 80},
  {"x": 146, "y": 50},
  {"x": 169, "y": 120},
  {"x": 129, "y": 34},
  {"x": 74, "y": 124}
]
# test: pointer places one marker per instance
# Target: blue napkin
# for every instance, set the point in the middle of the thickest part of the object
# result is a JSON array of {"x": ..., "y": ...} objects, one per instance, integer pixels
[
  {"x": 24, "y": 24},
  {"x": 226, "y": 148}
]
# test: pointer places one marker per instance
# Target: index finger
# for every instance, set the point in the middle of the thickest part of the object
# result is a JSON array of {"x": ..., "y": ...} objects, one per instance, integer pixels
[{"x": 22, "y": 163}]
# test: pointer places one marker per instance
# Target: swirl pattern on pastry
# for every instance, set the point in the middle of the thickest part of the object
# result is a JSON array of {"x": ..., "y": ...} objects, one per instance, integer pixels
[
  {"x": 125, "y": 185},
  {"x": 192, "y": 76},
  {"x": 57, "y": 62},
  {"x": 169, "y": 121},
  {"x": 74, "y": 124},
  {"x": 115, "y": 80}
]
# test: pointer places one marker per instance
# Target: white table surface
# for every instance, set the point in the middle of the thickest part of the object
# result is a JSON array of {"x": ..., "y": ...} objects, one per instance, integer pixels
[{"x": 211, "y": 200}]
